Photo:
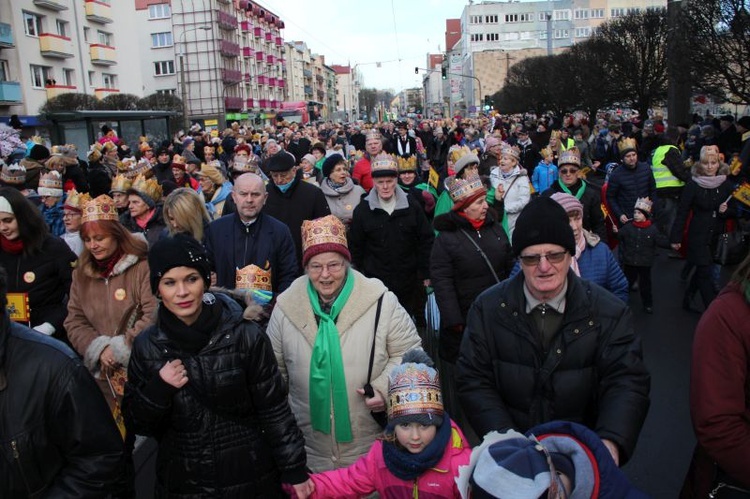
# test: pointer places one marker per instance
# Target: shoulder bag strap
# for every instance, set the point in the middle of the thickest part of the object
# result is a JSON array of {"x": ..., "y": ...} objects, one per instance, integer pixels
[
  {"x": 368, "y": 387},
  {"x": 484, "y": 256}
]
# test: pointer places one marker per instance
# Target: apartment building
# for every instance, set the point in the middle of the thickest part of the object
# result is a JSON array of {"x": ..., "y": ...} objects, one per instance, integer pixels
[{"x": 348, "y": 85}]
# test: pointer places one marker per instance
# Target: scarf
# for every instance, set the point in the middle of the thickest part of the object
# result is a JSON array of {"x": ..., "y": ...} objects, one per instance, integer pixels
[
  {"x": 407, "y": 466},
  {"x": 578, "y": 194},
  {"x": 143, "y": 221},
  {"x": 334, "y": 185},
  {"x": 327, "y": 377},
  {"x": 14, "y": 247},
  {"x": 710, "y": 182},
  {"x": 105, "y": 267},
  {"x": 642, "y": 225},
  {"x": 476, "y": 224},
  {"x": 192, "y": 338},
  {"x": 404, "y": 148},
  {"x": 580, "y": 247}
]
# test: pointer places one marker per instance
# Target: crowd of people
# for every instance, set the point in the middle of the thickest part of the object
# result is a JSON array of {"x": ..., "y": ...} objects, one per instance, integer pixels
[{"x": 254, "y": 299}]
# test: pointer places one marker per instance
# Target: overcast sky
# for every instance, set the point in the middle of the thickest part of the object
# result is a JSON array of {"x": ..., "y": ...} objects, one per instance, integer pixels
[{"x": 397, "y": 33}]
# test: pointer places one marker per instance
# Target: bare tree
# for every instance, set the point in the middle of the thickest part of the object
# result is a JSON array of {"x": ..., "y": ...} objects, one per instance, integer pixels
[
  {"x": 119, "y": 102},
  {"x": 68, "y": 102}
]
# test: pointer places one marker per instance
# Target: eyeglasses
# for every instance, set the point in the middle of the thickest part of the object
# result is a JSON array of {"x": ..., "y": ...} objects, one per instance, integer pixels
[
  {"x": 281, "y": 176},
  {"x": 332, "y": 267},
  {"x": 533, "y": 260},
  {"x": 71, "y": 215},
  {"x": 568, "y": 171}
]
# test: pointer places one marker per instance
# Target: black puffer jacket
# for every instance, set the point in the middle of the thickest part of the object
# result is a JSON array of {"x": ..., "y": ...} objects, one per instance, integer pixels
[
  {"x": 458, "y": 271},
  {"x": 154, "y": 227},
  {"x": 592, "y": 372},
  {"x": 591, "y": 199},
  {"x": 57, "y": 436},
  {"x": 638, "y": 244},
  {"x": 229, "y": 431},
  {"x": 628, "y": 184}
]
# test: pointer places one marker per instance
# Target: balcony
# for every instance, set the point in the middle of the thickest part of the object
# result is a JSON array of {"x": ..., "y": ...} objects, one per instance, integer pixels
[
  {"x": 250, "y": 103},
  {"x": 226, "y": 20},
  {"x": 319, "y": 78},
  {"x": 247, "y": 51},
  {"x": 269, "y": 37},
  {"x": 270, "y": 59},
  {"x": 307, "y": 73},
  {"x": 101, "y": 93},
  {"x": 10, "y": 92},
  {"x": 259, "y": 56},
  {"x": 55, "y": 90},
  {"x": 279, "y": 41},
  {"x": 233, "y": 103},
  {"x": 6, "y": 35},
  {"x": 308, "y": 90},
  {"x": 282, "y": 61},
  {"x": 56, "y": 46},
  {"x": 98, "y": 12},
  {"x": 264, "y": 103},
  {"x": 56, "y": 5},
  {"x": 246, "y": 26},
  {"x": 102, "y": 55},
  {"x": 257, "y": 32},
  {"x": 231, "y": 76},
  {"x": 280, "y": 83},
  {"x": 272, "y": 82},
  {"x": 262, "y": 80},
  {"x": 229, "y": 49}
]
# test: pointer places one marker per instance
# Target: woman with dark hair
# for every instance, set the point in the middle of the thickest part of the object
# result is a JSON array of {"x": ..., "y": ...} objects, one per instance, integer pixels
[{"x": 39, "y": 265}]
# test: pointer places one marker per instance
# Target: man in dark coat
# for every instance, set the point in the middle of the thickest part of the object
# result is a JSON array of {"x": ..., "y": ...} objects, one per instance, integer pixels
[
  {"x": 291, "y": 200},
  {"x": 250, "y": 236},
  {"x": 546, "y": 345},
  {"x": 631, "y": 180},
  {"x": 391, "y": 239},
  {"x": 59, "y": 433},
  {"x": 403, "y": 145}
]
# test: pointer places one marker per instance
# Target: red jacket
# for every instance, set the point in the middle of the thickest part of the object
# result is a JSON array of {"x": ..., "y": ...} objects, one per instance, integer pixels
[
  {"x": 362, "y": 174},
  {"x": 370, "y": 474}
]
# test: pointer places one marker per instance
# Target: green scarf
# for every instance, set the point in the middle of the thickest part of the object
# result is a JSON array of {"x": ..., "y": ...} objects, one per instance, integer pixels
[
  {"x": 580, "y": 192},
  {"x": 327, "y": 368}
]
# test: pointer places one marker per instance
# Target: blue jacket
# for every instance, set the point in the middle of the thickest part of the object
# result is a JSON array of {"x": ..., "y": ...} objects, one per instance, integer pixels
[
  {"x": 626, "y": 185},
  {"x": 231, "y": 246},
  {"x": 544, "y": 176}
]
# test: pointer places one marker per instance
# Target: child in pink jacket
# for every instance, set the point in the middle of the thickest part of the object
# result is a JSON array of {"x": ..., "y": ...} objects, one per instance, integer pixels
[{"x": 422, "y": 448}]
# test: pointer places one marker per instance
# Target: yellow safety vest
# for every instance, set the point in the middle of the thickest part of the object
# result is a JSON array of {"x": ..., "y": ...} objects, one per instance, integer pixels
[
  {"x": 662, "y": 175},
  {"x": 567, "y": 143}
]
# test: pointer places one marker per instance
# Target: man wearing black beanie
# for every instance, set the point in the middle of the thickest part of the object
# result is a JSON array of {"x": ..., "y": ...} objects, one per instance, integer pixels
[{"x": 547, "y": 345}]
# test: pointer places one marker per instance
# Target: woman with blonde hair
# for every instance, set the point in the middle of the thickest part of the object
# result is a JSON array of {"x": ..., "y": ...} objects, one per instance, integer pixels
[{"x": 184, "y": 211}]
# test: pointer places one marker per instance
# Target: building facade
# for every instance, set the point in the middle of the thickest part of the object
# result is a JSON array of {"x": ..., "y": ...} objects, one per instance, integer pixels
[{"x": 348, "y": 85}]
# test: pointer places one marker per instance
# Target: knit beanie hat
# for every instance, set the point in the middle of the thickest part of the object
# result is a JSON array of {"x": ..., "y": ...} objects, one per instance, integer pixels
[
  {"x": 39, "y": 152},
  {"x": 543, "y": 221},
  {"x": 414, "y": 394},
  {"x": 282, "y": 161},
  {"x": 180, "y": 250},
  {"x": 491, "y": 141},
  {"x": 309, "y": 158},
  {"x": 465, "y": 160},
  {"x": 570, "y": 203},
  {"x": 331, "y": 162}
]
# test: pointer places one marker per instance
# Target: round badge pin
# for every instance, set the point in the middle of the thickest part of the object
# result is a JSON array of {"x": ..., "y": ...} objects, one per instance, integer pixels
[
  {"x": 29, "y": 277},
  {"x": 120, "y": 294}
]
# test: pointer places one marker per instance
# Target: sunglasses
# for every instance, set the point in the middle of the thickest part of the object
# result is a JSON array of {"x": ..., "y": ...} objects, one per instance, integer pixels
[{"x": 533, "y": 260}]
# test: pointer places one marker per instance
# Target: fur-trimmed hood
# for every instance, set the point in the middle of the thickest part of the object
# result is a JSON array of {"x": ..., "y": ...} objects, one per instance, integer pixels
[{"x": 120, "y": 267}]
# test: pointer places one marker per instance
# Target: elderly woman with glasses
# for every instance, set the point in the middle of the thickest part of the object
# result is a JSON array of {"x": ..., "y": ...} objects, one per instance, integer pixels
[{"x": 337, "y": 335}]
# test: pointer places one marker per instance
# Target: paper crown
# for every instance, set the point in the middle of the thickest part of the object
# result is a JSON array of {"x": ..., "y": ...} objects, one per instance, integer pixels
[
  {"x": 555, "y": 134},
  {"x": 546, "y": 152},
  {"x": 462, "y": 190},
  {"x": 132, "y": 168},
  {"x": 509, "y": 150},
  {"x": 120, "y": 183},
  {"x": 75, "y": 200},
  {"x": 383, "y": 165},
  {"x": 147, "y": 187},
  {"x": 323, "y": 231},
  {"x": 144, "y": 145},
  {"x": 644, "y": 205},
  {"x": 627, "y": 145},
  {"x": 14, "y": 174},
  {"x": 99, "y": 208},
  {"x": 414, "y": 390},
  {"x": 253, "y": 277},
  {"x": 407, "y": 164},
  {"x": 570, "y": 157},
  {"x": 372, "y": 133},
  {"x": 456, "y": 153},
  {"x": 178, "y": 162},
  {"x": 251, "y": 165},
  {"x": 51, "y": 184}
]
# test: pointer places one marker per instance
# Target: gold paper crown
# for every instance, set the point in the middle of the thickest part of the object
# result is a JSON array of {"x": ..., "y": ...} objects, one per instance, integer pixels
[
  {"x": 414, "y": 390},
  {"x": 120, "y": 183},
  {"x": 461, "y": 190},
  {"x": 644, "y": 205},
  {"x": 570, "y": 157},
  {"x": 627, "y": 144},
  {"x": 383, "y": 163},
  {"x": 143, "y": 167},
  {"x": 100, "y": 208},
  {"x": 507, "y": 149},
  {"x": 178, "y": 162},
  {"x": 457, "y": 153},
  {"x": 407, "y": 164},
  {"x": 50, "y": 184},
  {"x": 144, "y": 145},
  {"x": 147, "y": 187},
  {"x": 326, "y": 230},
  {"x": 76, "y": 200},
  {"x": 253, "y": 277},
  {"x": 95, "y": 152},
  {"x": 546, "y": 152},
  {"x": 14, "y": 174},
  {"x": 555, "y": 134},
  {"x": 373, "y": 133}
]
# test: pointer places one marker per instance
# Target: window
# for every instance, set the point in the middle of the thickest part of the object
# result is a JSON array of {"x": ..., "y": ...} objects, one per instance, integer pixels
[
  {"x": 32, "y": 24},
  {"x": 561, "y": 33},
  {"x": 62, "y": 28},
  {"x": 477, "y": 37},
  {"x": 167, "y": 91},
  {"x": 583, "y": 32},
  {"x": 526, "y": 17},
  {"x": 617, "y": 12},
  {"x": 490, "y": 19},
  {"x": 511, "y": 18},
  {"x": 542, "y": 35},
  {"x": 69, "y": 78},
  {"x": 104, "y": 38},
  {"x": 597, "y": 13},
  {"x": 543, "y": 16},
  {"x": 109, "y": 80},
  {"x": 4, "y": 73},
  {"x": 562, "y": 15},
  {"x": 92, "y": 76},
  {"x": 581, "y": 14},
  {"x": 493, "y": 37},
  {"x": 159, "y": 11},
  {"x": 475, "y": 19},
  {"x": 40, "y": 76},
  {"x": 634, "y": 10},
  {"x": 86, "y": 34},
  {"x": 162, "y": 68},
  {"x": 161, "y": 39}
]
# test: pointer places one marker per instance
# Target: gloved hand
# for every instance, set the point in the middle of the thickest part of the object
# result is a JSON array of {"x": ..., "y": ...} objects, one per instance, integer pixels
[{"x": 45, "y": 328}]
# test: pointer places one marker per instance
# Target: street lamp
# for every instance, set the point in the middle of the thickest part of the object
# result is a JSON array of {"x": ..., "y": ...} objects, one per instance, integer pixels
[{"x": 183, "y": 85}]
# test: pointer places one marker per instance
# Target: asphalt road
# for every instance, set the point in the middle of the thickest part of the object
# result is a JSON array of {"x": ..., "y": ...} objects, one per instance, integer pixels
[{"x": 666, "y": 443}]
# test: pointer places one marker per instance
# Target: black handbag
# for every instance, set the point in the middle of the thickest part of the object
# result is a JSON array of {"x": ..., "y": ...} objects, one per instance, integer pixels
[
  {"x": 723, "y": 487},
  {"x": 380, "y": 417},
  {"x": 731, "y": 248}
]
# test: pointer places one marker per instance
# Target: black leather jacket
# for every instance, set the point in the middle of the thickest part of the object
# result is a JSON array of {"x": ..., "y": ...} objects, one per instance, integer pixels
[
  {"x": 229, "y": 432},
  {"x": 57, "y": 435}
]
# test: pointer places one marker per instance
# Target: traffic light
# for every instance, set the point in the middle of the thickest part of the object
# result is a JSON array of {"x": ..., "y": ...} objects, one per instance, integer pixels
[
  {"x": 488, "y": 100},
  {"x": 416, "y": 70},
  {"x": 444, "y": 72}
]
